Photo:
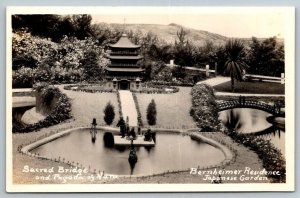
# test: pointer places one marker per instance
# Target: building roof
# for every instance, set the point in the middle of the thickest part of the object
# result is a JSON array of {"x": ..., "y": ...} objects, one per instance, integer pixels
[
  {"x": 125, "y": 57},
  {"x": 124, "y": 69},
  {"x": 124, "y": 42}
]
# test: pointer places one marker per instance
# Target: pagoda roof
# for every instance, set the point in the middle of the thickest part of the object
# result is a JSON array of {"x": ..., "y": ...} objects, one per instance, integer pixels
[
  {"x": 124, "y": 42},
  {"x": 124, "y": 69},
  {"x": 125, "y": 57}
]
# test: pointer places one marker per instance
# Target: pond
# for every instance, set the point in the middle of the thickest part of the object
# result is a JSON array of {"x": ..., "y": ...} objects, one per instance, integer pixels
[
  {"x": 247, "y": 120},
  {"x": 171, "y": 152}
]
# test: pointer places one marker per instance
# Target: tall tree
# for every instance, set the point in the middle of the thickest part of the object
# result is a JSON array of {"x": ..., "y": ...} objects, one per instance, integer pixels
[
  {"x": 235, "y": 65},
  {"x": 151, "y": 113}
]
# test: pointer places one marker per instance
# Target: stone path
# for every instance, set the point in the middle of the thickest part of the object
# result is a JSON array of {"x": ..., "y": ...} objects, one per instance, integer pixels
[{"x": 128, "y": 107}]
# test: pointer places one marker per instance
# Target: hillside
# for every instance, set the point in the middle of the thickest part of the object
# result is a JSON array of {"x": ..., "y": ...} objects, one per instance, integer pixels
[{"x": 168, "y": 33}]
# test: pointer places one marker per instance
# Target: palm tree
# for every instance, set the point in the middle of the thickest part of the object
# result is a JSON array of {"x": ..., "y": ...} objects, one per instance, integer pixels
[{"x": 235, "y": 64}]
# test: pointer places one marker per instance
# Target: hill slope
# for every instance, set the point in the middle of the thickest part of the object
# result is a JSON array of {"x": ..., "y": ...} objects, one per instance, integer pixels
[{"x": 168, "y": 33}]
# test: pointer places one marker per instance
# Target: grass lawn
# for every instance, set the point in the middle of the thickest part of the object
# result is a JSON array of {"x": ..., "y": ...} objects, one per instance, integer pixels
[
  {"x": 252, "y": 87},
  {"x": 172, "y": 109},
  {"x": 86, "y": 106}
]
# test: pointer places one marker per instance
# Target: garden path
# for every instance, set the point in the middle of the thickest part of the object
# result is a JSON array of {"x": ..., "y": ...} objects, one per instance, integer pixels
[
  {"x": 128, "y": 107},
  {"x": 214, "y": 81},
  {"x": 220, "y": 79}
]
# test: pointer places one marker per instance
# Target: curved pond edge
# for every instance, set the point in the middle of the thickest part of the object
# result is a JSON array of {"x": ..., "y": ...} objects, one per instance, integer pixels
[{"x": 228, "y": 153}]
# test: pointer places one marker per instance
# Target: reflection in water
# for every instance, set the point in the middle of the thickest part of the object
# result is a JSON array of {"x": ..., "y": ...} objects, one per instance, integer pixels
[
  {"x": 171, "y": 152},
  {"x": 249, "y": 121}
]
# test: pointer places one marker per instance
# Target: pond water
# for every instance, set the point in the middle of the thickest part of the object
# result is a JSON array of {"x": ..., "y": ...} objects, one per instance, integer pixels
[
  {"x": 171, "y": 152},
  {"x": 247, "y": 120}
]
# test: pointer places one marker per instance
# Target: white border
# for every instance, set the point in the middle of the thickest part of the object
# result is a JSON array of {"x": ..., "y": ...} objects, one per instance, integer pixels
[{"x": 289, "y": 16}]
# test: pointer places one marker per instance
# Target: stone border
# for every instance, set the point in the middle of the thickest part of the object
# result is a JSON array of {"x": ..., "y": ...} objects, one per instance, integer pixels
[{"x": 229, "y": 155}]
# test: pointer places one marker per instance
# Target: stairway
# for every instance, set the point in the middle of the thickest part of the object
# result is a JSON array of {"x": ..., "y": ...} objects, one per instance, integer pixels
[{"x": 128, "y": 107}]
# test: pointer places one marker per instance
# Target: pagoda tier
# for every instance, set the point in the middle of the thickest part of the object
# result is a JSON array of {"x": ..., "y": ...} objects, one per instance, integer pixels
[{"x": 124, "y": 70}]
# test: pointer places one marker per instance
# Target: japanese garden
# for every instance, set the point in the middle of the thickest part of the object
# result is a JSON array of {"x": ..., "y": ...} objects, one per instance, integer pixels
[{"x": 144, "y": 103}]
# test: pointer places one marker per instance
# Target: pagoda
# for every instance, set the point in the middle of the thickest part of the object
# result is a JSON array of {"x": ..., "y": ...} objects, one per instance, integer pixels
[{"x": 124, "y": 71}]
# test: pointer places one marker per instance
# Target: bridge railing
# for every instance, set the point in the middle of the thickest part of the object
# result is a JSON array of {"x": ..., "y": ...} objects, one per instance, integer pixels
[{"x": 249, "y": 103}]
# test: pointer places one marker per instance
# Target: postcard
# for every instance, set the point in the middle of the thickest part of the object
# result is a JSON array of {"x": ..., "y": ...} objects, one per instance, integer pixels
[{"x": 150, "y": 99}]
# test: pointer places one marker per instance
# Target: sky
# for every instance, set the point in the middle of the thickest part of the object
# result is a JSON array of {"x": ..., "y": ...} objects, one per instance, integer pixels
[{"x": 231, "y": 24}]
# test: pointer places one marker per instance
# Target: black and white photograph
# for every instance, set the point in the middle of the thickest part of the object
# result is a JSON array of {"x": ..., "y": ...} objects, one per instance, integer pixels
[{"x": 150, "y": 99}]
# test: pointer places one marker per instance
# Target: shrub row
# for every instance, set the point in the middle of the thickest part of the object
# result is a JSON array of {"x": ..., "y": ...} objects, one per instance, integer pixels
[
  {"x": 204, "y": 108},
  {"x": 89, "y": 89},
  {"x": 271, "y": 157},
  {"x": 172, "y": 83},
  {"x": 120, "y": 105},
  {"x": 140, "y": 121},
  {"x": 61, "y": 111}
]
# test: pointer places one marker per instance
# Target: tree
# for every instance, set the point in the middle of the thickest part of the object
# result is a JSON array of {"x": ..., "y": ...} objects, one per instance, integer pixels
[
  {"x": 266, "y": 57},
  {"x": 109, "y": 113},
  {"x": 91, "y": 69},
  {"x": 151, "y": 113},
  {"x": 235, "y": 64}
]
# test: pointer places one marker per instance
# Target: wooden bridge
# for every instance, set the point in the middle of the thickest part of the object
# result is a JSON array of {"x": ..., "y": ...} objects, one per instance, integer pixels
[{"x": 242, "y": 103}]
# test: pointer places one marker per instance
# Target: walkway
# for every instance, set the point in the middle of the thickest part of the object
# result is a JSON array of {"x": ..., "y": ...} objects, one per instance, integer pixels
[
  {"x": 215, "y": 81},
  {"x": 220, "y": 79},
  {"x": 128, "y": 107}
]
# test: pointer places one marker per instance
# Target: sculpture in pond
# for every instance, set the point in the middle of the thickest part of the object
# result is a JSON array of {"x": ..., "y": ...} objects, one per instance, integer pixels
[
  {"x": 122, "y": 126},
  {"x": 93, "y": 130}
]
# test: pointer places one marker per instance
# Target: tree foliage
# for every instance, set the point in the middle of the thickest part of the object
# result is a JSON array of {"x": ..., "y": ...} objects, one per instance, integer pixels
[
  {"x": 235, "y": 64},
  {"x": 151, "y": 113},
  {"x": 266, "y": 57},
  {"x": 109, "y": 113}
]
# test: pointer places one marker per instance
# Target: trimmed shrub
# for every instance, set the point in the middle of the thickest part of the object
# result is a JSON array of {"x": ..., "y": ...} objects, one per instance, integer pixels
[
  {"x": 204, "y": 108},
  {"x": 151, "y": 113},
  {"x": 109, "y": 113}
]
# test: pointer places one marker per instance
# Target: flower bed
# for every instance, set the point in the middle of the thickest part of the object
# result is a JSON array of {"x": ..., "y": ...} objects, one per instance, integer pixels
[
  {"x": 90, "y": 88},
  {"x": 172, "y": 83},
  {"x": 59, "y": 113},
  {"x": 204, "y": 108},
  {"x": 152, "y": 88},
  {"x": 271, "y": 157}
]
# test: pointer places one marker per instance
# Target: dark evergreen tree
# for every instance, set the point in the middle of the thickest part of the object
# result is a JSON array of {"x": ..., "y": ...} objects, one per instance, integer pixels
[
  {"x": 109, "y": 113},
  {"x": 151, "y": 113}
]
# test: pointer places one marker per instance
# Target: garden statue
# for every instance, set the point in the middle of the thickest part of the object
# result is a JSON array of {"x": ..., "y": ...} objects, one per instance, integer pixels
[
  {"x": 93, "y": 130},
  {"x": 148, "y": 136},
  {"x": 122, "y": 126},
  {"x": 132, "y": 134}
]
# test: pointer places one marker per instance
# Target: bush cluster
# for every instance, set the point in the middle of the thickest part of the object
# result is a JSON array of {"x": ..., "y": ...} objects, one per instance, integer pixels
[
  {"x": 204, "y": 108},
  {"x": 61, "y": 111}
]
